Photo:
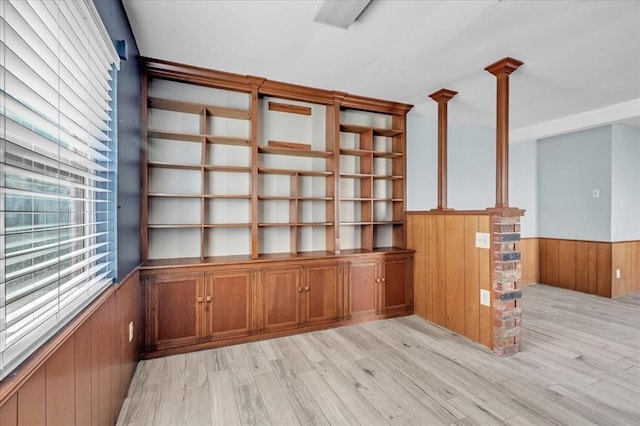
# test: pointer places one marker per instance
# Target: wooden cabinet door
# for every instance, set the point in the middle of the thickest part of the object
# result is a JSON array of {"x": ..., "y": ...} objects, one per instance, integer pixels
[
  {"x": 322, "y": 293},
  {"x": 395, "y": 283},
  {"x": 282, "y": 292},
  {"x": 175, "y": 310},
  {"x": 228, "y": 303},
  {"x": 363, "y": 288}
]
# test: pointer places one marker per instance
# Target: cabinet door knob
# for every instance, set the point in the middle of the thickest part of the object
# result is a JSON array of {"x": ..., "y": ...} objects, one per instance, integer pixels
[
  {"x": 208, "y": 298},
  {"x": 306, "y": 288},
  {"x": 299, "y": 289},
  {"x": 383, "y": 280},
  {"x": 200, "y": 299},
  {"x": 377, "y": 280}
]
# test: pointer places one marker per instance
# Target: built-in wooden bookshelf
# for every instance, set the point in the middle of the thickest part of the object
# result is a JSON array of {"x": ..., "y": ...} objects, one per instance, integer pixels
[
  {"x": 267, "y": 207},
  {"x": 372, "y": 150},
  {"x": 232, "y": 171}
]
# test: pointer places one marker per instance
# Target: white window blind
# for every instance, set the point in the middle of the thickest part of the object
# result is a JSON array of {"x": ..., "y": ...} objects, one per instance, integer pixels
[{"x": 57, "y": 168}]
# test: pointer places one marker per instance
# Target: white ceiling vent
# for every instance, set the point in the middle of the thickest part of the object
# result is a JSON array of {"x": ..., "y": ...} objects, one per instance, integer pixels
[{"x": 339, "y": 14}]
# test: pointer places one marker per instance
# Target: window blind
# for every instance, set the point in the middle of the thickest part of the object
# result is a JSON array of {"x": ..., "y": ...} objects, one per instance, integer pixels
[{"x": 57, "y": 168}]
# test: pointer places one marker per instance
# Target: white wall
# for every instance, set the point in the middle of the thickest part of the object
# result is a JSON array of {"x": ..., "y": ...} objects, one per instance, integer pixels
[
  {"x": 570, "y": 167},
  {"x": 625, "y": 183}
]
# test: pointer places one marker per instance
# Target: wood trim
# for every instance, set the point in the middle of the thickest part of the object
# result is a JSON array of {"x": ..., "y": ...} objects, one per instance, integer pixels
[
  {"x": 296, "y": 92},
  {"x": 442, "y": 97},
  {"x": 332, "y": 183},
  {"x": 512, "y": 211},
  {"x": 447, "y": 212},
  {"x": 590, "y": 241},
  {"x": 194, "y": 265},
  {"x": 17, "y": 379},
  {"x": 144, "y": 165},
  {"x": 502, "y": 69},
  {"x": 486, "y": 270},
  {"x": 374, "y": 105},
  {"x": 197, "y": 75},
  {"x": 255, "y": 211},
  {"x": 290, "y": 145},
  {"x": 288, "y": 108},
  {"x": 505, "y": 65}
]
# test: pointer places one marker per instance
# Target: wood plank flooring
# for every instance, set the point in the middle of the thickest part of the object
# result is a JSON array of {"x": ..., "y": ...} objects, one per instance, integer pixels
[{"x": 580, "y": 365}]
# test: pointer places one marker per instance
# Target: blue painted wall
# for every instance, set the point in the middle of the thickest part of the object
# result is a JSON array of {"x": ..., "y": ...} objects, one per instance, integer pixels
[
  {"x": 117, "y": 24},
  {"x": 471, "y": 165},
  {"x": 471, "y": 170},
  {"x": 625, "y": 183},
  {"x": 570, "y": 167},
  {"x": 523, "y": 177}
]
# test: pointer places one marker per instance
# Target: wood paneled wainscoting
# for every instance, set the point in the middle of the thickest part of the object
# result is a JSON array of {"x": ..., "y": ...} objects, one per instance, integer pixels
[
  {"x": 530, "y": 248},
  {"x": 626, "y": 257},
  {"x": 82, "y": 375},
  {"x": 591, "y": 266},
  {"x": 449, "y": 272}
]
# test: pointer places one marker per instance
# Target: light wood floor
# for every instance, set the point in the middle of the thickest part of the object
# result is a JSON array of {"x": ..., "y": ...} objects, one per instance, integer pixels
[{"x": 580, "y": 365}]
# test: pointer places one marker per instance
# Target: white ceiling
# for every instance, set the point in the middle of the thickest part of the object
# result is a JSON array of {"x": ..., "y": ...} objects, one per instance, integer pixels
[{"x": 581, "y": 58}]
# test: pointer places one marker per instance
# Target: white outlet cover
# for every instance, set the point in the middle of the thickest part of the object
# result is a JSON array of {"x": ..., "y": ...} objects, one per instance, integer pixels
[
  {"x": 617, "y": 273},
  {"x": 485, "y": 297},
  {"x": 131, "y": 331},
  {"x": 482, "y": 240}
]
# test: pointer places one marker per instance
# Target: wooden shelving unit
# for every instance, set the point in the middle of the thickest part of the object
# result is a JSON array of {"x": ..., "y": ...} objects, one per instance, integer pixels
[
  {"x": 241, "y": 166},
  {"x": 182, "y": 170},
  {"x": 267, "y": 208},
  {"x": 277, "y": 175},
  {"x": 372, "y": 168}
]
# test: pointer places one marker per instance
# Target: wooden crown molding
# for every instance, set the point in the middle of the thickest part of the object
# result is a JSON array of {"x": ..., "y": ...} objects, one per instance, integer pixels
[
  {"x": 296, "y": 92},
  {"x": 197, "y": 75},
  {"x": 443, "y": 95},
  {"x": 375, "y": 105},
  {"x": 246, "y": 83},
  {"x": 504, "y": 66},
  {"x": 339, "y": 96}
]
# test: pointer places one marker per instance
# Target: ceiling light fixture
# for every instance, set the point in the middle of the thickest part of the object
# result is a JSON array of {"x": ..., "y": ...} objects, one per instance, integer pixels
[{"x": 339, "y": 14}]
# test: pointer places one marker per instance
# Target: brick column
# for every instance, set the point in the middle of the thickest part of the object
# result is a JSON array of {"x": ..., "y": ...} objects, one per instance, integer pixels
[{"x": 507, "y": 295}]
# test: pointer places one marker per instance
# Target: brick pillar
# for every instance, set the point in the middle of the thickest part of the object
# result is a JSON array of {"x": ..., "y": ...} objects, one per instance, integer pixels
[{"x": 507, "y": 295}]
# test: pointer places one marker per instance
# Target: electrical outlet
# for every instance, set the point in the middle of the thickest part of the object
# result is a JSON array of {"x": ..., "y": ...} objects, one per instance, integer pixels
[
  {"x": 131, "y": 331},
  {"x": 482, "y": 240},
  {"x": 485, "y": 298},
  {"x": 596, "y": 193},
  {"x": 617, "y": 273}
]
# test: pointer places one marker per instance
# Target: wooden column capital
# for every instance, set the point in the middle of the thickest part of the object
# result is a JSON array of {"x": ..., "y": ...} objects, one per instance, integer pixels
[
  {"x": 502, "y": 69},
  {"x": 504, "y": 66},
  {"x": 442, "y": 96}
]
